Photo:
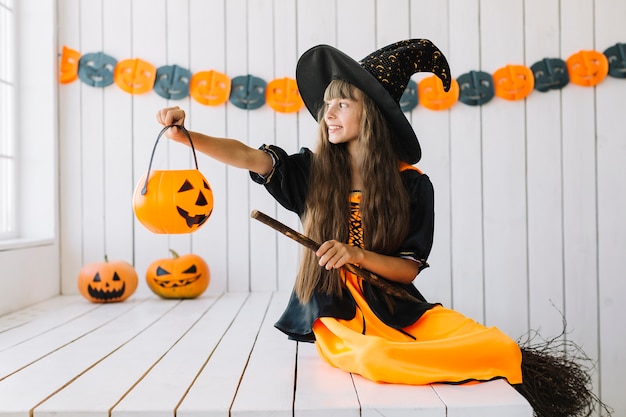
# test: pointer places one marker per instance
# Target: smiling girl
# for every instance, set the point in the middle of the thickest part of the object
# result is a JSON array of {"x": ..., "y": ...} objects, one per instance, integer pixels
[{"x": 361, "y": 195}]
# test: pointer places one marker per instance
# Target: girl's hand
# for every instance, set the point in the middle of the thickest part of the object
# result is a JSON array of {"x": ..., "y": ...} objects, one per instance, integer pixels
[
  {"x": 334, "y": 254},
  {"x": 173, "y": 116}
]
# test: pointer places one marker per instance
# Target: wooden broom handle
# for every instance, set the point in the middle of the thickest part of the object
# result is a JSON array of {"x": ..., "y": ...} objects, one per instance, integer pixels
[{"x": 373, "y": 279}]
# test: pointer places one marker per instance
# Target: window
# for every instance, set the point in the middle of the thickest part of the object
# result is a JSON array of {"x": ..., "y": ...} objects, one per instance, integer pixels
[
  {"x": 8, "y": 221},
  {"x": 28, "y": 154}
]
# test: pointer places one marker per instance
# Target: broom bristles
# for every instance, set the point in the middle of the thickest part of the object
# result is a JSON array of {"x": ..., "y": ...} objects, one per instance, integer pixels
[{"x": 556, "y": 375}]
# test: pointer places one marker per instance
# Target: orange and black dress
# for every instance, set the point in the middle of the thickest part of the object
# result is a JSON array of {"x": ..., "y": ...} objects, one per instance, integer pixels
[{"x": 419, "y": 342}]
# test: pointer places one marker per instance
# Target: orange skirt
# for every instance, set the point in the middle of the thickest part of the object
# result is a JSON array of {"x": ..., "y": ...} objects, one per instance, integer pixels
[{"x": 446, "y": 347}]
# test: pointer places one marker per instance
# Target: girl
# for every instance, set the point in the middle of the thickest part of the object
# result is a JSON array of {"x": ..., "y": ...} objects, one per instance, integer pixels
[{"x": 360, "y": 195}]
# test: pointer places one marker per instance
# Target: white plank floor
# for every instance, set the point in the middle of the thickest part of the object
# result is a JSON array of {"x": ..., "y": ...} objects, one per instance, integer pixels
[{"x": 218, "y": 355}]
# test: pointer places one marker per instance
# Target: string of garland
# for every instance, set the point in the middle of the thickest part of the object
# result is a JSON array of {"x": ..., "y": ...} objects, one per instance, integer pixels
[{"x": 585, "y": 68}]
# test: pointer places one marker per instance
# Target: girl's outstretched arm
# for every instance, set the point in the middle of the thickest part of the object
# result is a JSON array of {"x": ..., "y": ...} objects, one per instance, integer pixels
[{"x": 228, "y": 151}]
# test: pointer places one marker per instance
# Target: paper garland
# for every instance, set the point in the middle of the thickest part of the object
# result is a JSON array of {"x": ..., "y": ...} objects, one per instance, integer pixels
[{"x": 585, "y": 68}]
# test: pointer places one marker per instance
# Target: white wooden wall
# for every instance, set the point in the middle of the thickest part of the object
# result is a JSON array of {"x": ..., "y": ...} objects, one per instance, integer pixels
[{"x": 530, "y": 195}]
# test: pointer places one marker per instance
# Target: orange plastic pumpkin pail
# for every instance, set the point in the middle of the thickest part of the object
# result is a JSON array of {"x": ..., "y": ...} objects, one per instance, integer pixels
[{"x": 173, "y": 201}]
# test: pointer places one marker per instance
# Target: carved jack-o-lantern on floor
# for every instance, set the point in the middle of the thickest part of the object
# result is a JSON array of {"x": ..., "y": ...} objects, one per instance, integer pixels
[
  {"x": 107, "y": 282},
  {"x": 185, "y": 276}
]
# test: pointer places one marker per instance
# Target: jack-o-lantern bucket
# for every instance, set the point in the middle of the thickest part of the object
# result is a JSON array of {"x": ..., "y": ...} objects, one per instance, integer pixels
[{"x": 173, "y": 201}]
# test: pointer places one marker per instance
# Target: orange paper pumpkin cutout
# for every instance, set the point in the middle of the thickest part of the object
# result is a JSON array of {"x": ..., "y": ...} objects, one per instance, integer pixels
[
  {"x": 107, "y": 282},
  {"x": 432, "y": 96},
  {"x": 513, "y": 82},
  {"x": 185, "y": 276},
  {"x": 135, "y": 76},
  {"x": 211, "y": 88},
  {"x": 283, "y": 96},
  {"x": 587, "y": 68},
  {"x": 68, "y": 71}
]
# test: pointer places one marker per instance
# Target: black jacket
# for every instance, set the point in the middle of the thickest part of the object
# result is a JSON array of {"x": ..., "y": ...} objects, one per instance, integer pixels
[{"x": 288, "y": 184}]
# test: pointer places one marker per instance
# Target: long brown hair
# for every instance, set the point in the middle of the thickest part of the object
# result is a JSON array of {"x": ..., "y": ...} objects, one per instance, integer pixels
[{"x": 384, "y": 200}]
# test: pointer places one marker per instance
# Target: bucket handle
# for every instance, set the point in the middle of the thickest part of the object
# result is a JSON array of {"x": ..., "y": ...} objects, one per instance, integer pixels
[{"x": 193, "y": 150}]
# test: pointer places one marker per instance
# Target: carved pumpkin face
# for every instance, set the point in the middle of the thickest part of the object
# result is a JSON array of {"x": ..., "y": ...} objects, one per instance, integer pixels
[
  {"x": 68, "y": 70},
  {"x": 587, "y": 68},
  {"x": 172, "y": 82},
  {"x": 96, "y": 69},
  {"x": 409, "y": 99},
  {"x": 248, "y": 92},
  {"x": 550, "y": 74},
  {"x": 135, "y": 76},
  {"x": 283, "y": 96},
  {"x": 107, "y": 282},
  {"x": 476, "y": 88},
  {"x": 175, "y": 201},
  {"x": 433, "y": 97},
  {"x": 616, "y": 56},
  {"x": 513, "y": 82},
  {"x": 186, "y": 276},
  {"x": 211, "y": 88}
]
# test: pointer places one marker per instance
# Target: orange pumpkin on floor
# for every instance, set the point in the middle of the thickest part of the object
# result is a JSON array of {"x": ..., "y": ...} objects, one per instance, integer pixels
[
  {"x": 107, "y": 282},
  {"x": 185, "y": 276}
]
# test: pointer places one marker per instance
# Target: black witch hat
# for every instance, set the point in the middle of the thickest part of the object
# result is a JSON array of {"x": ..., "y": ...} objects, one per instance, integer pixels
[{"x": 383, "y": 75}]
